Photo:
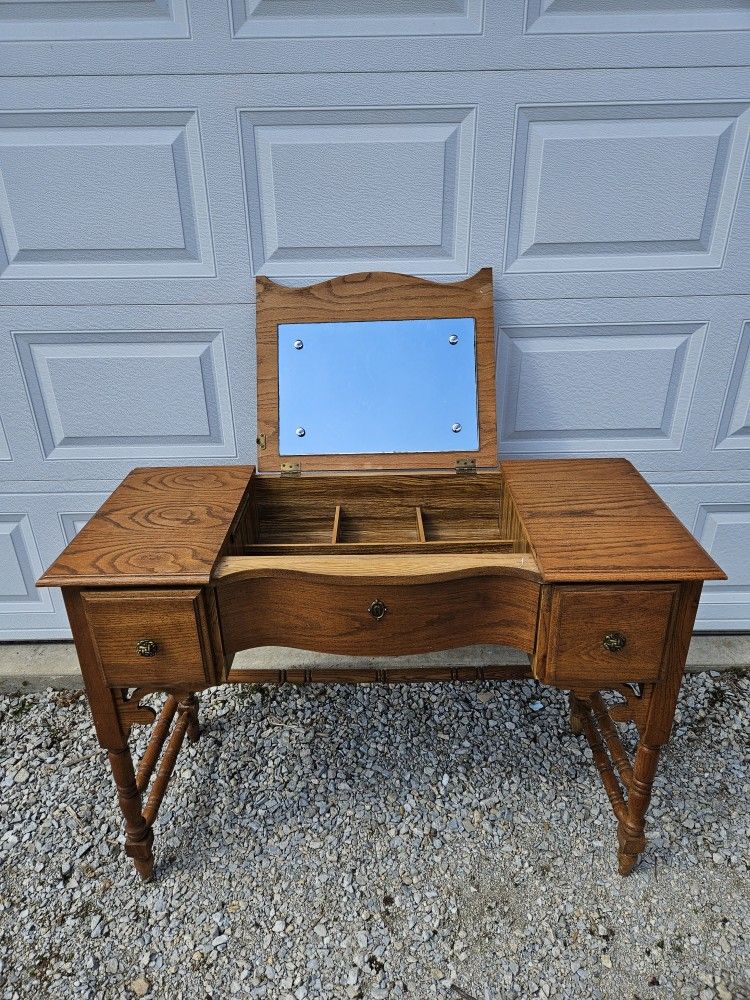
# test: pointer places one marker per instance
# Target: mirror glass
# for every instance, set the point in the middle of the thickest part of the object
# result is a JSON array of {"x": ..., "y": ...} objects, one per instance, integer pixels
[{"x": 378, "y": 387}]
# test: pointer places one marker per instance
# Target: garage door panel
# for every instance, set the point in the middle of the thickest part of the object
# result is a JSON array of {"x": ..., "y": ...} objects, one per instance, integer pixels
[
  {"x": 29, "y": 535},
  {"x": 156, "y": 155},
  {"x": 53, "y": 21},
  {"x": 124, "y": 193},
  {"x": 106, "y": 389},
  {"x": 332, "y": 191},
  {"x": 734, "y": 426},
  {"x": 265, "y": 36},
  {"x": 650, "y": 378},
  {"x": 5, "y": 455},
  {"x": 634, "y": 16},
  {"x": 103, "y": 195},
  {"x": 639, "y": 187},
  {"x": 718, "y": 514},
  {"x": 650, "y": 189},
  {"x": 571, "y": 388}
]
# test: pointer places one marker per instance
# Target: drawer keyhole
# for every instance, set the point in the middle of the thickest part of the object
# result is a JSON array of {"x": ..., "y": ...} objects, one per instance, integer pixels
[
  {"x": 614, "y": 642},
  {"x": 377, "y": 609},
  {"x": 147, "y": 647}
]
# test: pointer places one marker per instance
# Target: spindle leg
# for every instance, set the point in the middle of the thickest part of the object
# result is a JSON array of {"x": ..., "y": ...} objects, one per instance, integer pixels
[{"x": 139, "y": 837}]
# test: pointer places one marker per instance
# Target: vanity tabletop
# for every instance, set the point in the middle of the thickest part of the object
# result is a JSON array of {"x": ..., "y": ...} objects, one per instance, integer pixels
[
  {"x": 161, "y": 526},
  {"x": 598, "y": 520},
  {"x": 588, "y": 520}
]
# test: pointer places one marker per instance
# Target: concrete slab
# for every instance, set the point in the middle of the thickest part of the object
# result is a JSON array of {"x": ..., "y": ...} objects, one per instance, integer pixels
[{"x": 32, "y": 666}]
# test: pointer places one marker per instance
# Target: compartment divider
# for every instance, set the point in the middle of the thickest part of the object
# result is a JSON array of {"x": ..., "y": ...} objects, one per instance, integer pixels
[
  {"x": 336, "y": 523},
  {"x": 420, "y": 524}
]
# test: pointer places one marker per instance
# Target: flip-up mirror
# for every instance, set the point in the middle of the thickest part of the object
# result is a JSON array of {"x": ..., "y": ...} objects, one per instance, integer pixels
[{"x": 396, "y": 386}]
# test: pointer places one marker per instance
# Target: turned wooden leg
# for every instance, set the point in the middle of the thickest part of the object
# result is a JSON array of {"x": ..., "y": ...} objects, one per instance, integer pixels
[
  {"x": 114, "y": 712},
  {"x": 189, "y": 704},
  {"x": 630, "y": 832},
  {"x": 577, "y": 714},
  {"x": 652, "y": 709},
  {"x": 628, "y": 788},
  {"x": 139, "y": 837}
]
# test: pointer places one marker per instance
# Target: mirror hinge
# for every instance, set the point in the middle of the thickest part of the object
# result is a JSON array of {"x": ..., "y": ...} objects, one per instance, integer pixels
[
  {"x": 291, "y": 468},
  {"x": 261, "y": 441},
  {"x": 466, "y": 466}
]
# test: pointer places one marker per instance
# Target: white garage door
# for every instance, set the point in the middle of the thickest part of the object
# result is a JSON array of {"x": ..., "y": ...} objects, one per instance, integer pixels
[{"x": 156, "y": 155}]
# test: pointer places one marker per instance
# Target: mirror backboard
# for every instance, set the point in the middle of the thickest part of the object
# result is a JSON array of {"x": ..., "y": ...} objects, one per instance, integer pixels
[
  {"x": 383, "y": 386},
  {"x": 377, "y": 384}
]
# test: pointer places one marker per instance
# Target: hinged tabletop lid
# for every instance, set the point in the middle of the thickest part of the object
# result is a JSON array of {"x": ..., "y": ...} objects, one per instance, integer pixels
[{"x": 376, "y": 371}]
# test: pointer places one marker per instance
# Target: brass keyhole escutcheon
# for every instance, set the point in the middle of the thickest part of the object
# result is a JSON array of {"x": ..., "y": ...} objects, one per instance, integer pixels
[
  {"x": 377, "y": 609},
  {"x": 614, "y": 642},
  {"x": 147, "y": 647}
]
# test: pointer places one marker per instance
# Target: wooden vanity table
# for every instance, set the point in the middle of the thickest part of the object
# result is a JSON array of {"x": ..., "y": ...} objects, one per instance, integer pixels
[{"x": 381, "y": 523}]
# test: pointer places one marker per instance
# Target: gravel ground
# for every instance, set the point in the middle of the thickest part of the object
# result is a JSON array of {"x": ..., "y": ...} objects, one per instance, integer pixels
[{"x": 371, "y": 842}]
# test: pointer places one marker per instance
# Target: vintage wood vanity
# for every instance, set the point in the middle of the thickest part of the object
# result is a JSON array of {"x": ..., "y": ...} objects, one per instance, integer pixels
[{"x": 381, "y": 523}]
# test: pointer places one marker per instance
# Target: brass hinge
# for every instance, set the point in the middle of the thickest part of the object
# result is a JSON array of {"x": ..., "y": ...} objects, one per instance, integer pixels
[
  {"x": 466, "y": 466},
  {"x": 261, "y": 441},
  {"x": 291, "y": 469}
]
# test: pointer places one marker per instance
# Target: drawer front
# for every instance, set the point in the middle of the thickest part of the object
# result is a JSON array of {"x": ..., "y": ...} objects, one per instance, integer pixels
[
  {"x": 336, "y": 617},
  {"x": 605, "y": 635},
  {"x": 175, "y": 621}
]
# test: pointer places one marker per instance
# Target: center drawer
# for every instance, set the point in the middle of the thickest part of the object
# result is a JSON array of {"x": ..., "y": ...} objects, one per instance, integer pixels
[{"x": 375, "y": 618}]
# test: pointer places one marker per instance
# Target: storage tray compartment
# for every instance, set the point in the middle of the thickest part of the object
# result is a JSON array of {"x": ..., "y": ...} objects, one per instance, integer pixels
[
  {"x": 481, "y": 522},
  {"x": 379, "y": 514},
  {"x": 300, "y": 524}
]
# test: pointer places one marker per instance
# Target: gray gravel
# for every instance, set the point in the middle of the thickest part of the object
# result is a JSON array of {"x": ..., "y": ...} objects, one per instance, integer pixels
[{"x": 344, "y": 842}]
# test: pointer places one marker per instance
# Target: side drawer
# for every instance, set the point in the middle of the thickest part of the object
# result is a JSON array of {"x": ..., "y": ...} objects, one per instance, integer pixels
[
  {"x": 603, "y": 635},
  {"x": 176, "y": 621}
]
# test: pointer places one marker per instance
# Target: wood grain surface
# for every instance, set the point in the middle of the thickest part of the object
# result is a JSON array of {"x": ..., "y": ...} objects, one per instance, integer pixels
[
  {"x": 596, "y": 520},
  {"x": 362, "y": 672},
  {"x": 580, "y": 617},
  {"x": 406, "y": 569},
  {"x": 177, "y": 620},
  {"x": 317, "y": 614},
  {"x": 367, "y": 296},
  {"x": 160, "y": 526}
]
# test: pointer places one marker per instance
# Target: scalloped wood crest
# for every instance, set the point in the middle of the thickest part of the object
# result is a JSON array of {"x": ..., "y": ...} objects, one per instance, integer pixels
[{"x": 369, "y": 296}]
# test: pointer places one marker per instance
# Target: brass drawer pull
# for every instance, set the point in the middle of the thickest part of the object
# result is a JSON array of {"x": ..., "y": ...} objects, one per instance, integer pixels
[
  {"x": 147, "y": 647},
  {"x": 377, "y": 609},
  {"x": 614, "y": 642}
]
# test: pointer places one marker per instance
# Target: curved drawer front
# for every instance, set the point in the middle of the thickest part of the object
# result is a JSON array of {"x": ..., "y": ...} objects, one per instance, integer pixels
[
  {"x": 151, "y": 637},
  {"x": 600, "y": 635},
  {"x": 378, "y": 619}
]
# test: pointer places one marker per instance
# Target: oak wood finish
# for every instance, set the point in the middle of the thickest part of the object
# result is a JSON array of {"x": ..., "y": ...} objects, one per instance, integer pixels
[
  {"x": 161, "y": 527},
  {"x": 581, "y": 617},
  {"x": 310, "y": 613},
  {"x": 367, "y": 296},
  {"x": 452, "y": 597},
  {"x": 547, "y": 556},
  {"x": 112, "y": 732},
  {"x": 598, "y": 520},
  {"x": 653, "y": 713},
  {"x": 364, "y": 674},
  {"x": 176, "y": 620},
  {"x": 380, "y": 569}
]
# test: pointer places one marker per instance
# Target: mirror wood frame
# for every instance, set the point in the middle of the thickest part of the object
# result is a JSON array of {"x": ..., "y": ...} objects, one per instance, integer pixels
[{"x": 366, "y": 297}]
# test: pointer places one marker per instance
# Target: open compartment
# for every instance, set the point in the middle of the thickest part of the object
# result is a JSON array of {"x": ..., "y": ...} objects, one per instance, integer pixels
[
  {"x": 373, "y": 524},
  {"x": 380, "y": 514},
  {"x": 293, "y": 524},
  {"x": 482, "y": 521}
]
